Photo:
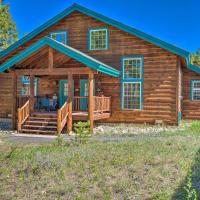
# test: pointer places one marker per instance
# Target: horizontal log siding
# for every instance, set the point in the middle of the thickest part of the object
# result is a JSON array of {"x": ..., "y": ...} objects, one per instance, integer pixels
[
  {"x": 191, "y": 109},
  {"x": 5, "y": 95},
  {"x": 160, "y": 68}
]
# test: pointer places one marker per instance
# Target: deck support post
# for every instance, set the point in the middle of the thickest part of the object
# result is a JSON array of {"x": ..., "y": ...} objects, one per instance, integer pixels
[
  {"x": 91, "y": 101},
  {"x": 32, "y": 80},
  {"x": 14, "y": 107},
  {"x": 69, "y": 121}
]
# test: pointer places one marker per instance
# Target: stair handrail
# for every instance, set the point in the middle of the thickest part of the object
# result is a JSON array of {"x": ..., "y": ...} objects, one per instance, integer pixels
[
  {"x": 63, "y": 113},
  {"x": 23, "y": 114}
]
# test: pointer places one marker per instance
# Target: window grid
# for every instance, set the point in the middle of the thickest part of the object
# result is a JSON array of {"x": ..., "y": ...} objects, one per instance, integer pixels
[
  {"x": 25, "y": 86},
  {"x": 59, "y": 37},
  {"x": 132, "y": 68},
  {"x": 196, "y": 90},
  {"x": 66, "y": 89},
  {"x": 132, "y": 83},
  {"x": 98, "y": 39},
  {"x": 132, "y": 92}
]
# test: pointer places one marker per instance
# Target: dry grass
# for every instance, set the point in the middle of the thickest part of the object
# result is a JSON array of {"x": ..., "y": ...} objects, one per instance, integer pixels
[{"x": 154, "y": 169}]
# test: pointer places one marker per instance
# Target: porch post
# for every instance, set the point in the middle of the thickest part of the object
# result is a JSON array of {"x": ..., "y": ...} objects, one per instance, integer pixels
[
  {"x": 91, "y": 101},
  {"x": 14, "y": 106},
  {"x": 32, "y": 80},
  {"x": 69, "y": 122}
]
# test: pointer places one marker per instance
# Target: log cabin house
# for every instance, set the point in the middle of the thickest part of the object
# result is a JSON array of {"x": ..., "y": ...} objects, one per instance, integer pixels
[{"x": 81, "y": 65}]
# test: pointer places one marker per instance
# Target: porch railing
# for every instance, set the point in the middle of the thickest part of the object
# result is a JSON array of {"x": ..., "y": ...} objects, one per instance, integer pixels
[
  {"x": 80, "y": 103},
  {"x": 63, "y": 113},
  {"x": 102, "y": 104},
  {"x": 23, "y": 114},
  {"x": 22, "y": 100}
]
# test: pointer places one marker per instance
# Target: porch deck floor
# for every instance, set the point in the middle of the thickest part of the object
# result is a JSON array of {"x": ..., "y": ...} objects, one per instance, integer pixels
[{"x": 76, "y": 115}]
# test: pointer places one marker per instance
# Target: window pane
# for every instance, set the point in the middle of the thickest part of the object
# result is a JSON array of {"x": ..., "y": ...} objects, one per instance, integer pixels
[
  {"x": 60, "y": 37},
  {"x": 66, "y": 89},
  {"x": 196, "y": 90},
  {"x": 131, "y": 96},
  {"x": 98, "y": 39},
  {"x": 25, "y": 86},
  {"x": 133, "y": 68}
]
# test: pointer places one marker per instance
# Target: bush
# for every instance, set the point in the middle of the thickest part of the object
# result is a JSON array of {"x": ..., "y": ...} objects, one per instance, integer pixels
[
  {"x": 195, "y": 126},
  {"x": 190, "y": 192},
  {"x": 82, "y": 132}
]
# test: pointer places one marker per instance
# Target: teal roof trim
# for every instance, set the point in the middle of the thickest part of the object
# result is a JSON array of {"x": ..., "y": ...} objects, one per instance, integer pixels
[
  {"x": 114, "y": 23},
  {"x": 76, "y": 7},
  {"x": 67, "y": 50}
]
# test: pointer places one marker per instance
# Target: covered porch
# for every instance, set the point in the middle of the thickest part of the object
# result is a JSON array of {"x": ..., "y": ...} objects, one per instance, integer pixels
[{"x": 67, "y": 87}]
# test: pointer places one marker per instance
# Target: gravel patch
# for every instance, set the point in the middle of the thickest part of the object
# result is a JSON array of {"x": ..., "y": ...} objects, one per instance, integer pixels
[{"x": 133, "y": 129}]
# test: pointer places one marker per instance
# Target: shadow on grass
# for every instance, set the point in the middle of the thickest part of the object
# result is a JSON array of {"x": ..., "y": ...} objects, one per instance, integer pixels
[{"x": 193, "y": 176}]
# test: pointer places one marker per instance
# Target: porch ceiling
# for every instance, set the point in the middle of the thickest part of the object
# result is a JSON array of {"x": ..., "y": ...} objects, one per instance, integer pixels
[{"x": 36, "y": 52}]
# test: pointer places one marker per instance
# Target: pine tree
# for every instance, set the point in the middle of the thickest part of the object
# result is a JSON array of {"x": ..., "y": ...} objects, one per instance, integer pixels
[
  {"x": 8, "y": 31},
  {"x": 195, "y": 58}
]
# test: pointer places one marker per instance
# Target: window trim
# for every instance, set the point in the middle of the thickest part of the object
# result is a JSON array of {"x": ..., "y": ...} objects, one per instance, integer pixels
[
  {"x": 89, "y": 38},
  {"x": 132, "y": 80},
  {"x": 61, "y": 31},
  {"x": 23, "y": 81},
  {"x": 191, "y": 89}
]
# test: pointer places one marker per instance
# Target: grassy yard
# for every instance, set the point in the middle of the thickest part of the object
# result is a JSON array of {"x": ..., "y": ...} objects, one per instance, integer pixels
[{"x": 154, "y": 168}]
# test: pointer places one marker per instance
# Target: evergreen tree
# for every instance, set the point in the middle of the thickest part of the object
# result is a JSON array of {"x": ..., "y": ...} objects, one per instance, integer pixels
[
  {"x": 8, "y": 31},
  {"x": 195, "y": 58}
]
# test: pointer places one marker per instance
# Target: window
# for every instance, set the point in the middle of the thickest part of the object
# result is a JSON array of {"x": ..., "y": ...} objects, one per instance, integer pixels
[
  {"x": 98, "y": 39},
  {"x": 25, "y": 86},
  {"x": 66, "y": 89},
  {"x": 195, "y": 90},
  {"x": 60, "y": 36},
  {"x": 132, "y": 82}
]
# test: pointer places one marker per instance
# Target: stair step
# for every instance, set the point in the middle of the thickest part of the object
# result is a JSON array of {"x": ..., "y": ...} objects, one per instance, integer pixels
[
  {"x": 40, "y": 127},
  {"x": 43, "y": 118},
  {"x": 40, "y": 122},
  {"x": 38, "y": 131}
]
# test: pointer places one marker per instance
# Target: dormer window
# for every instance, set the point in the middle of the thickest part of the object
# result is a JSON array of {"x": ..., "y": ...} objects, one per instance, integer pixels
[
  {"x": 98, "y": 38},
  {"x": 59, "y": 36}
]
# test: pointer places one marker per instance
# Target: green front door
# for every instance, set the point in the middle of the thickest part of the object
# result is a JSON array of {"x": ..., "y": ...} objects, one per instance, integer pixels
[
  {"x": 64, "y": 92},
  {"x": 84, "y": 92}
]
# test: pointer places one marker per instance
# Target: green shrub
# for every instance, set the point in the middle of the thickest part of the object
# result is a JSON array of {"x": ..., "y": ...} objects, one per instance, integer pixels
[
  {"x": 59, "y": 141},
  {"x": 195, "y": 126},
  {"x": 82, "y": 132},
  {"x": 190, "y": 192}
]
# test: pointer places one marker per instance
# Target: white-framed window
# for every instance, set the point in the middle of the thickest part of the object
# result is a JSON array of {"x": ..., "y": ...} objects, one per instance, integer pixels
[
  {"x": 98, "y": 39},
  {"x": 195, "y": 90},
  {"x": 60, "y": 36},
  {"x": 132, "y": 83}
]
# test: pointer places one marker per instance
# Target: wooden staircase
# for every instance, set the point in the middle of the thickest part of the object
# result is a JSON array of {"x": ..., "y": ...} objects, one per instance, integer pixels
[{"x": 40, "y": 123}]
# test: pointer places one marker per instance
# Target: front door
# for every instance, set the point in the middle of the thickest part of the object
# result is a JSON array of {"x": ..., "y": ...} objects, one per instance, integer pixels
[
  {"x": 84, "y": 92},
  {"x": 64, "y": 92}
]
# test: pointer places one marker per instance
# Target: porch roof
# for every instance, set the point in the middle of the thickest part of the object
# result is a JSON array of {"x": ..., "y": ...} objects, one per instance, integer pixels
[{"x": 65, "y": 49}]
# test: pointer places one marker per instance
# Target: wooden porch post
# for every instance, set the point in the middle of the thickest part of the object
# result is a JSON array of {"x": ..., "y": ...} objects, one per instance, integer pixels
[
  {"x": 32, "y": 80},
  {"x": 91, "y": 101},
  {"x": 14, "y": 107},
  {"x": 69, "y": 122}
]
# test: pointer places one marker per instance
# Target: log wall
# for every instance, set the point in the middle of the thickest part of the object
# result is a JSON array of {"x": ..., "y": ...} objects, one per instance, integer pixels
[
  {"x": 191, "y": 109},
  {"x": 160, "y": 69}
]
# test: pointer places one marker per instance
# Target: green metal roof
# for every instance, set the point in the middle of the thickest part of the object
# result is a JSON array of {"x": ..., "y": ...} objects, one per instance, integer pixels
[{"x": 65, "y": 49}]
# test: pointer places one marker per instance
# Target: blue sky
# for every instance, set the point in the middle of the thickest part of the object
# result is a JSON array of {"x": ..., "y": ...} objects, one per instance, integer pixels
[{"x": 174, "y": 21}]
